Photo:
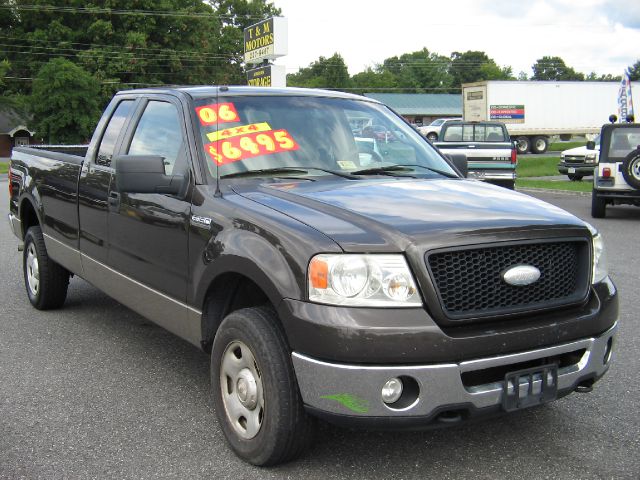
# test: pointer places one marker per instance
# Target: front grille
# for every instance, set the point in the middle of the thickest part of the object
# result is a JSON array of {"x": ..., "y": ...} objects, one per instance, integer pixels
[
  {"x": 570, "y": 159},
  {"x": 469, "y": 281}
]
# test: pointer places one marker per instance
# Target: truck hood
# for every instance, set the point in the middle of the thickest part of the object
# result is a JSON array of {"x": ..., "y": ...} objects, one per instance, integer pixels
[
  {"x": 580, "y": 151},
  {"x": 391, "y": 214}
]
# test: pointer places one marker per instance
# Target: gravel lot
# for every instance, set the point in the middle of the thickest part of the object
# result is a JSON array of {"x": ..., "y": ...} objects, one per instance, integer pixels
[{"x": 96, "y": 391}]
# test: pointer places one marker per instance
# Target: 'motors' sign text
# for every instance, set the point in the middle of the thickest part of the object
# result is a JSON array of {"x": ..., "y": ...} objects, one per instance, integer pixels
[{"x": 265, "y": 40}]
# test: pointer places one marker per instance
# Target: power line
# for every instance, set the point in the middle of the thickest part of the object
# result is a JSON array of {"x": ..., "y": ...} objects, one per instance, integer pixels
[{"x": 108, "y": 11}]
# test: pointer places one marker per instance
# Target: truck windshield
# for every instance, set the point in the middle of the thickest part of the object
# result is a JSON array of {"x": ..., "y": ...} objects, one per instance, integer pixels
[
  {"x": 258, "y": 133},
  {"x": 623, "y": 140}
]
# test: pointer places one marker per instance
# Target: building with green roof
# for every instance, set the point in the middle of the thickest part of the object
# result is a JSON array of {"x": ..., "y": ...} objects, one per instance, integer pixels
[{"x": 422, "y": 108}]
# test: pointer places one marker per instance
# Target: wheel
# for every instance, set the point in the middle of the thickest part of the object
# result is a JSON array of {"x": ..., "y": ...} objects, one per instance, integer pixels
[
  {"x": 255, "y": 392},
  {"x": 46, "y": 281},
  {"x": 432, "y": 136},
  {"x": 540, "y": 144},
  {"x": 574, "y": 177},
  {"x": 598, "y": 206},
  {"x": 522, "y": 144},
  {"x": 631, "y": 168}
]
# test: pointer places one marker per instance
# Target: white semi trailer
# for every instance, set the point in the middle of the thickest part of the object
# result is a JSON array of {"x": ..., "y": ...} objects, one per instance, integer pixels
[{"x": 534, "y": 111}]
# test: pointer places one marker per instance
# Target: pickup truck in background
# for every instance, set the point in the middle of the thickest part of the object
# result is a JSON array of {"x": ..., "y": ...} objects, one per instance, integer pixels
[
  {"x": 491, "y": 155},
  {"x": 580, "y": 162},
  {"x": 360, "y": 280}
]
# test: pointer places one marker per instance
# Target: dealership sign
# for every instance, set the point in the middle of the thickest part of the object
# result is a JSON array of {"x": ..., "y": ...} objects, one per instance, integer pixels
[
  {"x": 507, "y": 113},
  {"x": 267, "y": 76},
  {"x": 265, "y": 40}
]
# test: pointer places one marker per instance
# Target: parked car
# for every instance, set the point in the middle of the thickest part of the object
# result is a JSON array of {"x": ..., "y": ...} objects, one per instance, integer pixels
[
  {"x": 579, "y": 162},
  {"x": 432, "y": 131},
  {"x": 617, "y": 176},
  {"x": 490, "y": 153},
  {"x": 394, "y": 294}
]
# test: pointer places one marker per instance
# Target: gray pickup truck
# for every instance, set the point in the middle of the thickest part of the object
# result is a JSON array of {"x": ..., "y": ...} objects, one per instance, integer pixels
[
  {"x": 356, "y": 279},
  {"x": 490, "y": 153}
]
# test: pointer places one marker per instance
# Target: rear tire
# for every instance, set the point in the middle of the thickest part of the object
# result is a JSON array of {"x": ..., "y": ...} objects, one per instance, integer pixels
[
  {"x": 268, "y": 425},
  {"x": 598, "y": 206},
  {"x": 432, "y": 137},
  {"x": 508, "y": 184},
  {"x": 46, "y": 281},
  {"x": 540, "y": 144},
  {"x": 522, "y": 145}
]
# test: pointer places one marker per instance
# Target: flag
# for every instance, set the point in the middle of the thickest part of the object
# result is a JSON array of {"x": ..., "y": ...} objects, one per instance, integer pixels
[{"x": 625, "y": 101}]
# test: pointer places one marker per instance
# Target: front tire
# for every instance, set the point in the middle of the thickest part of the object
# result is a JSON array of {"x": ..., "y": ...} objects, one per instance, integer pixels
[
  {"x": 598, "y": 206},
  {"x": 255, "y": 392},
  {"x": 574, "y": 177},
  {"x": 46, "y": 281}
]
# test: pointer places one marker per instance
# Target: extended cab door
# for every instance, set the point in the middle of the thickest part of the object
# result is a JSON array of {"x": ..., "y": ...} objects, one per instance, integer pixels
[
  {"x": 95, "y": 178},
  {"x": 148, "y": 232}
]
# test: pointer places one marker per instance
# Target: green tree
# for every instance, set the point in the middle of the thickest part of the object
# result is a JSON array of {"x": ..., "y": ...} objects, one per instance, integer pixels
[
  {"x": 419, "y": 72},
  {"x": 64, "y": 102},
  {"x": 634, "y": 72},
  {"x": 474, "y": 66},
  {"x": 605, "y": 77},
  {"x": 373, "y": 80},
  {"x": 554, "y": 68},
  {"x": 329, "y": 72}
]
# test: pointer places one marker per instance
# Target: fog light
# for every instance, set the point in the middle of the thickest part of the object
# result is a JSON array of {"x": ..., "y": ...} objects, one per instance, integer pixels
[{"x": 392, "y": 390}]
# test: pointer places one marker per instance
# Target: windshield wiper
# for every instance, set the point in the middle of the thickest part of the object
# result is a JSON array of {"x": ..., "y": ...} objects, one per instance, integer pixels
[
  {"x": 260, "y": 171},
  {"x": 388, "y": 170},
  {"x": 434, "y": 170}
]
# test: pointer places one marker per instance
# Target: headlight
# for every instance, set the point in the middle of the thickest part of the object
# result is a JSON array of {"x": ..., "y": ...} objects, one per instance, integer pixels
[
  {"x": 362, "y": 280},
  {"x": 599, "y": 259},
  {"x": 590, "y": 158}
]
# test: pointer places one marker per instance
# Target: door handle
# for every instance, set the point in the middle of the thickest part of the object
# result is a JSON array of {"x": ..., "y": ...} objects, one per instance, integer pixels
[{"x": 114, "y": 199}]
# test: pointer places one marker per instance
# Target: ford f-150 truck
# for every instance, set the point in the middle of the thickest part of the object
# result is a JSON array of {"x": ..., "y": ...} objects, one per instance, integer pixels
[
  {"x": 490, "y": 153},
  {"x": 325, "y": 279}
]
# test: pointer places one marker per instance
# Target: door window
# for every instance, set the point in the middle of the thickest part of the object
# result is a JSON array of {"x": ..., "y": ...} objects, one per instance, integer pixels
[
  {"x": 111, "y": 133},
  {"x": 159, "y": 133}
]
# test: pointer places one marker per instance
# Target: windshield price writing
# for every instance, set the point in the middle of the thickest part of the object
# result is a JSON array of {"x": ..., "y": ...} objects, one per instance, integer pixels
[
  {"x": 217, "y": 113},
  {"x": 250, "y": 145}
]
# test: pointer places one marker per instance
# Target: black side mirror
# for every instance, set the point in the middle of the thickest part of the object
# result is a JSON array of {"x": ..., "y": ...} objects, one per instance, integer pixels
[
  {"x": 145, "y": 174},
  {"x": 459, "y": 161},
  {"x": 591, "y": 145}
]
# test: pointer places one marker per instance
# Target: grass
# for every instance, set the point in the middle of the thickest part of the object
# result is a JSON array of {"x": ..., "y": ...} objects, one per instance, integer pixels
[
  {"x": 559, "y": 147},
  {"x": 569, "y": 186},
  {"x": 4, "y": 167},
  {"x": 537, "y": 166}
]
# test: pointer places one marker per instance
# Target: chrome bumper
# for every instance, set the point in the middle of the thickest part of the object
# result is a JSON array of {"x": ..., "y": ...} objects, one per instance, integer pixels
[
  {"x": 355, "y": 390},
  {"x": 16, "y": 225}
]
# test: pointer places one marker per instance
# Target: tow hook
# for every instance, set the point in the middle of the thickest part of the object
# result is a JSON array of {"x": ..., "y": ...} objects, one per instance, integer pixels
[{"x": 585, "y": 387}]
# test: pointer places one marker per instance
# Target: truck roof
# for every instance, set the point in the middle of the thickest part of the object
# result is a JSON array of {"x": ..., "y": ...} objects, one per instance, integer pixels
[{"x": 206, "y": 91}]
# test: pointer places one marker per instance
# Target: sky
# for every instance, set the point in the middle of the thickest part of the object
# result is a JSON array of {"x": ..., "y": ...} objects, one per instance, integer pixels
[{"x": 589, "y": 35}]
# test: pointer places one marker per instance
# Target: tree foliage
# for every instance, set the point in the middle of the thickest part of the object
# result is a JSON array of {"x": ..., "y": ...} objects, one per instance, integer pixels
[
  {"x": 64, "y": 102},
  {"x": 634, "y": 72},
  {"x": 554, "y": 68},
  {"x": 474, "y": 66},
  {"x": 324, "y": 73}
]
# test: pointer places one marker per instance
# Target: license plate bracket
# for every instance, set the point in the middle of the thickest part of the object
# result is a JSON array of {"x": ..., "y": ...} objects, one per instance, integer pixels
[
  {"x": 529, "y": 387},
  {"x": 572, "y": 170}
]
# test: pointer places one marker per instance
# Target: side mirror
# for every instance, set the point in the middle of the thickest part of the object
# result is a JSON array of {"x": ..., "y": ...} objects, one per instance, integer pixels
[
  {"x": 145, "y": 174},
  {"x": 591, "y": 145},
  {"x": 459, "y": 161}
]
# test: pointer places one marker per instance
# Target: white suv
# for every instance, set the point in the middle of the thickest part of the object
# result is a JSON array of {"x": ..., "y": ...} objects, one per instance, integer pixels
[
  {"x": 616, "y": 180},
  {"x": 432, "y": 131}
]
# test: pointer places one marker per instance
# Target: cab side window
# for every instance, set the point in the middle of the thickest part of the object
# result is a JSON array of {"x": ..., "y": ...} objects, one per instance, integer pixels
[
  {"x": 111, "y": 133},
  {"x": 159, "y": 133}
]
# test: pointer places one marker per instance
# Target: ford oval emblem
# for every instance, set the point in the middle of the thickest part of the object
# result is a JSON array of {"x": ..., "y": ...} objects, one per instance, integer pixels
[{"x": 521, "y": 275}]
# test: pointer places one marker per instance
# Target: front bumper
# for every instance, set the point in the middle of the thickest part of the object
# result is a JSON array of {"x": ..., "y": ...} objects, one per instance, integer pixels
[
  {"x": 351, "y": 393},
  {"x": 579, "y": 169}
]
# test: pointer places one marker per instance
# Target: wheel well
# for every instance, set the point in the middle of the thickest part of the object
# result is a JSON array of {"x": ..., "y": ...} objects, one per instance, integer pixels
[
  {"x": 228, "y": 292},
  {"x": 28, "y": 216}
]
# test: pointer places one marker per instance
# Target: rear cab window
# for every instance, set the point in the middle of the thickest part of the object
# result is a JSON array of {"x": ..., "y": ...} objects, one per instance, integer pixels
[{"x": 474, "y": 133}]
